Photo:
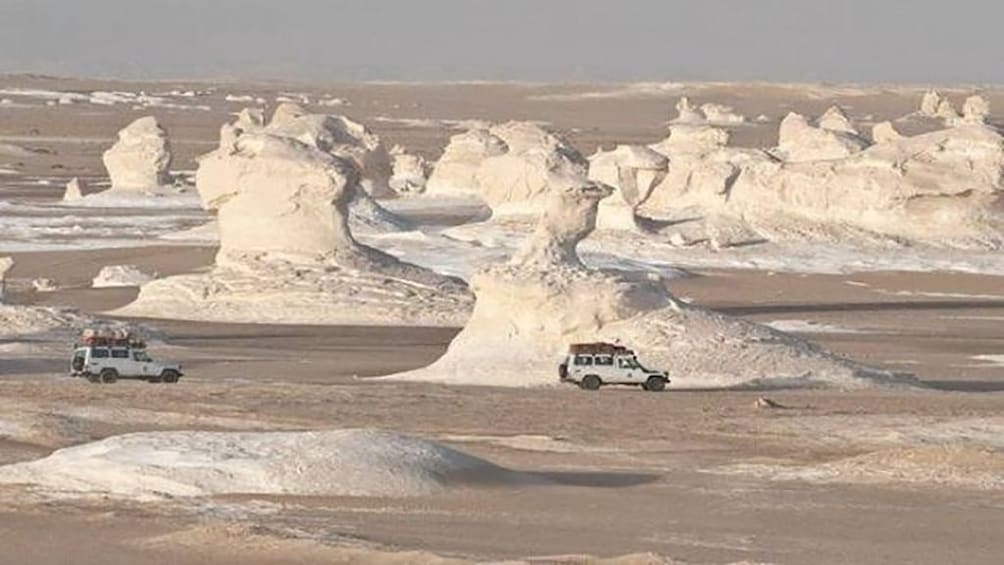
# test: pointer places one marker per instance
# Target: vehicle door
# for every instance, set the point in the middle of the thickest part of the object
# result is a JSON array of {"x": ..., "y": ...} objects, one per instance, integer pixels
[
  {"x": 99, "y": 359},
  {"x": 144, "y": 364},
  {"x": 605, "y": 368},
  {"x": 627, "y": 369},
  {"x": 122, "y": 362},
  {"x": 582, "y": 365}
]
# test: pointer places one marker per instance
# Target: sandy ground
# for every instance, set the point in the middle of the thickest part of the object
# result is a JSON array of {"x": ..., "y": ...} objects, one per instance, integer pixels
[{"x": 698, "y": 476}]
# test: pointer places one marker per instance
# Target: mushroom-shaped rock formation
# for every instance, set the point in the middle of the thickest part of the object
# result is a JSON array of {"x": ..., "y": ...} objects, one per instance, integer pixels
[
  {"x": 330, "y": 134},
  {"x": 286, "y": 252},
  {"x": 456, "y": 171},
  {"x": 340, "y": 136},
  {"x": 140, "y": 159},
  {"x": 799, "y": 141},
  {"x": 634, "y": 170},
  {"x": 529, "y": 310}
]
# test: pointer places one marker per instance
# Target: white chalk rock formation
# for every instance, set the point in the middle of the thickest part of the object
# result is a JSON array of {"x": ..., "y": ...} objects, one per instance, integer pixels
[
  {"x": 74, "y": 190},
  {"x": 719, "y": 114},
  {"x": 140, "y": 159},
  {"x": 529, "y": 310},
  {"x": 633, "y": 171},
  {"x": 702, "y": 170},
  {"x": 885, "y": 132},
  {"x": 286, "y": 251},
  {"x": 6, "y": 264},
  {"x": 976, "y": 110},
  {"x": 946, "y": 111},
  {"x": 835, "y": 119},
  {"x": 686, "y": 113},
  {"x": 930, "y": 103},
  {"x": 335, "y": 135},
  {"x": 339, "y": 136},
  {"x": 517, "y": 182},
  {"x": 154, "y": 466},
  {"x": 456, "y": 171},
  {"x": 941, "y": 188},
  {"x": 411, "y": 172},
  {"x": 799, "y": 141},
  {"x": 120, "y": 275}
]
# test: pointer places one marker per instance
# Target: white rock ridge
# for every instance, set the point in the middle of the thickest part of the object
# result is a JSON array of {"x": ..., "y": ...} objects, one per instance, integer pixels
[
  {"x": 529, "y": 310},
  {"x": 158, "y": 465},
  {"x": 287, "y": 254},
  {"x": 141, "y": 158},
  {"x": 941, "y": 188},
  {"x": 799, "y": 141}
]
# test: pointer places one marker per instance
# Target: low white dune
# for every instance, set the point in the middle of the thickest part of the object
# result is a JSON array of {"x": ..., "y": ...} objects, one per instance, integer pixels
[{"x": 353, "y": 462}]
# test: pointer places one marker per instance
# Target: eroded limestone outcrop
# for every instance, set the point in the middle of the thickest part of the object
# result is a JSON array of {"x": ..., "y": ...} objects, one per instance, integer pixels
[
  {"x": 141, "y": 158},
  {"x": 530, "y": 309},
  {"x": 287, "y": 254}
]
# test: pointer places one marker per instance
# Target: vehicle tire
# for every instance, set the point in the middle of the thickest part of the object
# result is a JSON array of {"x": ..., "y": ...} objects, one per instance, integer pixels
[
  {"x": 108, "y": 376},
  {"x": 590, "y": 382},
  {"x": 655, "y": 384},
  {"x": 169, "y": 376}
]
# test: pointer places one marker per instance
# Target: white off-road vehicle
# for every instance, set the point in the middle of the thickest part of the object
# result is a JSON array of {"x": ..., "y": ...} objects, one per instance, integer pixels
[
  {"x": 592, "y": 365},
  {"x": 107, "y": 357}
]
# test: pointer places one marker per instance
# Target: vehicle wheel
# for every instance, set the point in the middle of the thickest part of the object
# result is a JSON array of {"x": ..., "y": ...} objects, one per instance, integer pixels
[
  {"x": 108, "y": 376},
  {"x": 591, "y": 382},
  {"x": 169, "y": 376},
  {"x": 655, "y": 384}
]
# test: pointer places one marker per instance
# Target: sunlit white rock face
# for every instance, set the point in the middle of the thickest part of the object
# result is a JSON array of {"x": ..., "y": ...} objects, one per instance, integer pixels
[
  {"x": 141, "y": 158},
  {"x": 287, "y": 254},
  {"x": 824, "y": 182},
  {"x": 455, "y": 173},
  {"x": 507, "y": 166},
  {"x": 633, "y": 170},
  {"x": 411, "y": 172},
  {"x": 529, "y": 310}
]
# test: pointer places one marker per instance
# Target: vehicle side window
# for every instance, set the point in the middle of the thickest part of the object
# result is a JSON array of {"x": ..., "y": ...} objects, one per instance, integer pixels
[
  {"x": 140, "y": 356},
  {"x": 120, "y": 353},
  {"x": 604, "y": 360},
  {"x": 583, "y": 360},
  {"x": 98, "y": 353},
  {"x": 624, "y": 363}
]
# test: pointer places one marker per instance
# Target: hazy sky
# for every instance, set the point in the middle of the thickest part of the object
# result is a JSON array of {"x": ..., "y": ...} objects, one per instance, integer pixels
[{"x": 923, "y": 41}]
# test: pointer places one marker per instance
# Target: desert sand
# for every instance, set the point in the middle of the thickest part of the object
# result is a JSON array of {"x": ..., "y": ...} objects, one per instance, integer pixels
[{"x": 212, "y": 469}]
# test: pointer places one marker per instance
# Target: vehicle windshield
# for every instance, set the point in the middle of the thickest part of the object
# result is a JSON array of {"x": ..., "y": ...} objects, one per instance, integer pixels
[
  {"x": 141, "y": 356},
  {"x": 636, "y": 365}
]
